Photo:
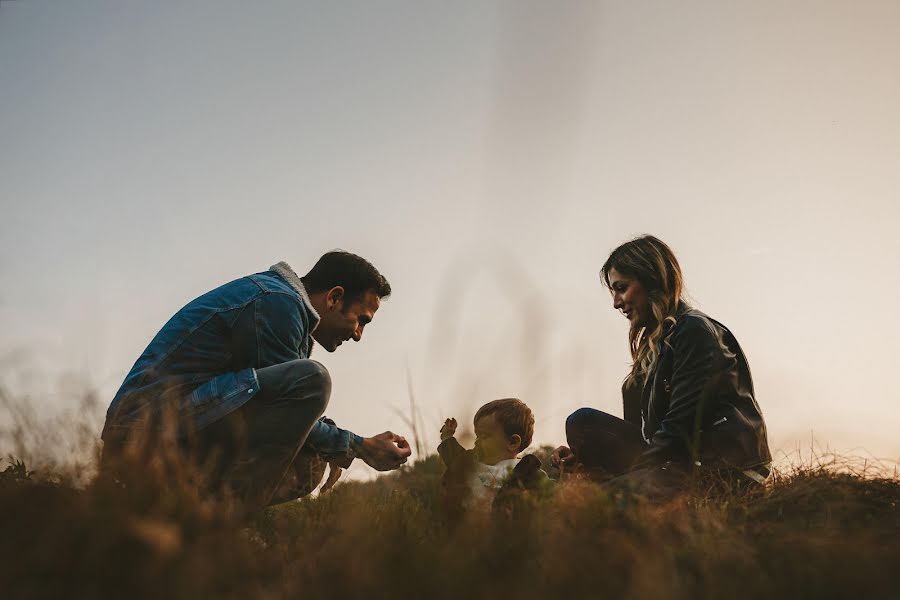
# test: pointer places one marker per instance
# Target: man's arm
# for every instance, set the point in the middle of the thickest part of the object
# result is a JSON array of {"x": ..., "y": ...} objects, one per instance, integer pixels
[
  {"x": 269, "y": 331},
  {"x": 279, "y": 328},
  {"x": 383, "y": 452},
  {"x": 336, "y": 445}
]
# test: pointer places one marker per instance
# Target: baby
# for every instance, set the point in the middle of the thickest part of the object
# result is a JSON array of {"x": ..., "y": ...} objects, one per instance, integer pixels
[{"x": 503, "y": 428}]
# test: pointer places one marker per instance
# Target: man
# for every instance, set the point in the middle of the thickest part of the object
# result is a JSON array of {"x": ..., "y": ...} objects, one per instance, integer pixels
[{"x": 230, "y": 380}]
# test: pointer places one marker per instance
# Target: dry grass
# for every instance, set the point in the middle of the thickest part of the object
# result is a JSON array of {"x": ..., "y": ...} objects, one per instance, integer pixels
[
  {"x": 827, "y": 527},
  {"x": 820, "y": 531}
]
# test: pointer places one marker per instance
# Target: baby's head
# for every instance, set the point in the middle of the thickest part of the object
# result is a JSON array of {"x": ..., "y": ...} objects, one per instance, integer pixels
[{"x": 503, "y": 428}]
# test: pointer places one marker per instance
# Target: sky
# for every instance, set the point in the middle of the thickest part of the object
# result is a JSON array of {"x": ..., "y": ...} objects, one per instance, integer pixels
[{"x": 486, "y": 157}]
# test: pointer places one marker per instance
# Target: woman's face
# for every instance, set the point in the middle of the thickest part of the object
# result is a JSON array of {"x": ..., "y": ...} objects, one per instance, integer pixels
[{"x": 630, "y": 297}]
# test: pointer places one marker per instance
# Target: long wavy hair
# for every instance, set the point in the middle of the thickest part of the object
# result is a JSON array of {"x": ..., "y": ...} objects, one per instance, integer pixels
[{"x": 649, "y": 260}]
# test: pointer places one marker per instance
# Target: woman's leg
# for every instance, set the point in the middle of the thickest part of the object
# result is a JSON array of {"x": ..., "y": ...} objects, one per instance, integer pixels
[{"x": 602, "y": 442}]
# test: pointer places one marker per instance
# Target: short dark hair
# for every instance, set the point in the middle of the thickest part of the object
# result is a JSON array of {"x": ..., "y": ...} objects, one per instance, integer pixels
[
  {"x": 353, "y": 273},
  {"x": 513, "y": 416}
]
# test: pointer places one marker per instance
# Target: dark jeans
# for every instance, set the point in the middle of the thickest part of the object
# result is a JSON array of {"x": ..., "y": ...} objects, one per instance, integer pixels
[
  {"x": 256, "y": 446},
  {"x": 603, "y": 443},
  {"x": 255, "y": 451},
  {"x": 610, "y": 448}
]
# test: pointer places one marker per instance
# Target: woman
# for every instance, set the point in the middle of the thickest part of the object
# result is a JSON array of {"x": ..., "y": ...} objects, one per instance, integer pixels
[{"x": 688, "y": 400}]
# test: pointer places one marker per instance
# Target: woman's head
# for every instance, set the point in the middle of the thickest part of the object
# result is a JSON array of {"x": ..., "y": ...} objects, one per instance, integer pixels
[{"x": 645, "y": 281}]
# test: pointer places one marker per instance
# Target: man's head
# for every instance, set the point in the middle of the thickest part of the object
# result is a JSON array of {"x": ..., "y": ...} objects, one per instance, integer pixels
[
  {"x": 503, "y": 428},
  {"x": 346, "y": 290}
]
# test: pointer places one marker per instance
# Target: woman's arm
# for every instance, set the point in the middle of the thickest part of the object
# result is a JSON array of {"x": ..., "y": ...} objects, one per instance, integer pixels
[
  {"x": 631, "y": 403},
  {"x": 697, "y": 370}
]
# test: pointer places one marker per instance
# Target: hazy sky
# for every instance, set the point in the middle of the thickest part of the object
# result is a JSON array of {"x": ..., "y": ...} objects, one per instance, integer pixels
[{"x": 486, "y": 156}]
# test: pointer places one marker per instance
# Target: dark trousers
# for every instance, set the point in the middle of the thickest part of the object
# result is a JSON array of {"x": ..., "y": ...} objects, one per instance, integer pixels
[
  {"x": 254, "y": 453},
  {"x": 257, "y": 446},
  {"x": 609, "y": 450},
  {"x": 604, "y": 444}
]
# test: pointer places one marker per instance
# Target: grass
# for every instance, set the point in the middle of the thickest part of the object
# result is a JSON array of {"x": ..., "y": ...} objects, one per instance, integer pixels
[{"x": 822, "y": 530}]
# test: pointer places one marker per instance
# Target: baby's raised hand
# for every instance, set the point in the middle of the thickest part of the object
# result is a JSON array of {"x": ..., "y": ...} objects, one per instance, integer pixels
[{"x": 448, "y": 429}]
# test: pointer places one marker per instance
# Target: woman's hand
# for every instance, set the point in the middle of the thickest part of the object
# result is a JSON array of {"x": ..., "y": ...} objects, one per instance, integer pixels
[{"x": 563, "y": 457}]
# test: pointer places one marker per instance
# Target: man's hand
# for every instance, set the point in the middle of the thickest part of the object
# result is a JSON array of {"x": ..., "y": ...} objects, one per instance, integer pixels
[
  {"x": 385, "y": 451},
  {"x": 448, "y": 429}
]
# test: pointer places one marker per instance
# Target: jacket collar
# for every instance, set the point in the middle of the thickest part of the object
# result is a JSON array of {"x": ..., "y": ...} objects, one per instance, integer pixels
[{"x": 284, "y": 270}]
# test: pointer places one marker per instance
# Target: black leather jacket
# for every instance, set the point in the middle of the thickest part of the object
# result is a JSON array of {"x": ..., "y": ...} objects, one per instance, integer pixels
[{"x": 698, "y": 403}]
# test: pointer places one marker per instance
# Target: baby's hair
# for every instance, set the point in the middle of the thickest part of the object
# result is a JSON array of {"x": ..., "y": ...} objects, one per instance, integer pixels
[{"x": 513, "y": 416}]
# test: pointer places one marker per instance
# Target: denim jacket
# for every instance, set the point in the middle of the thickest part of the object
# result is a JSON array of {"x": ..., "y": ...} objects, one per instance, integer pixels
[{"x": 202, "y": 363}]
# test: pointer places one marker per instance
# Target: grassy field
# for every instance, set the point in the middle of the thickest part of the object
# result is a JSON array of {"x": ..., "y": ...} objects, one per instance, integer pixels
[{"x": 819, "y": 531}]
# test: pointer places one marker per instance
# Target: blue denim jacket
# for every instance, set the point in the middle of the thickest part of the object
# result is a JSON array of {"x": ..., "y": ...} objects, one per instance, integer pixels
[{"x": 203, "y": 362}]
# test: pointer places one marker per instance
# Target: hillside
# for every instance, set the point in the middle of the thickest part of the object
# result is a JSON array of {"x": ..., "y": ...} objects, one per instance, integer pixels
[{"x": 818, "y": 532}]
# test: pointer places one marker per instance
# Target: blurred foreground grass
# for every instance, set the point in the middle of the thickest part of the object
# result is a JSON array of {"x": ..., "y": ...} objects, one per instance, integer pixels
[{"x": 820, "y": 531}]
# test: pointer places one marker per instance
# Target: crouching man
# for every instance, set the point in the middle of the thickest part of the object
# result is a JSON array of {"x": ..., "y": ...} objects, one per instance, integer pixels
[{"x": 228, "y": 381}]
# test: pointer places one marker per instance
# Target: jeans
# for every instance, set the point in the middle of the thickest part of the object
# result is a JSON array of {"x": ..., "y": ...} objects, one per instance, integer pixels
[
  {"x": 258, "y": 444},
  {"x": 604, "y": 444},
  {"x": 610, "y": 449},
  {"x": 254, "y": 452}
]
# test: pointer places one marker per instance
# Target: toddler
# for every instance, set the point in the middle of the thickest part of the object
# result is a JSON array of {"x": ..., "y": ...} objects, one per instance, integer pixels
[{"x": 503, "y": 428}]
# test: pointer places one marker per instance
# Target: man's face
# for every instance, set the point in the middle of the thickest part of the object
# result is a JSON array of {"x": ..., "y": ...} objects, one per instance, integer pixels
[{"x": 342, "y": 321}]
